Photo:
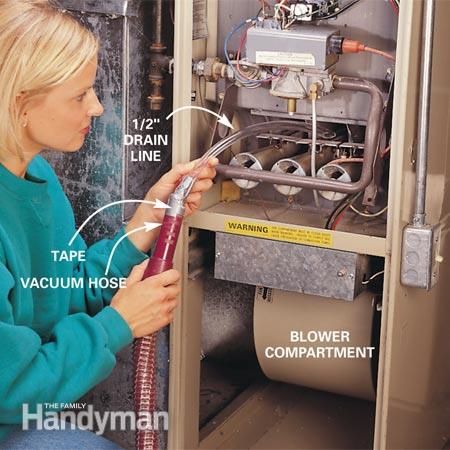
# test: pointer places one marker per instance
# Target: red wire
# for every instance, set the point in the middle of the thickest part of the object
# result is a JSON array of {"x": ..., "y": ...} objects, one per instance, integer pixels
[
  {"x": 385, "y": 151},
  {"x": 394, "y": 6},
  {"x": 339, "y": 217},
  {"x": 379, "y": 52}
]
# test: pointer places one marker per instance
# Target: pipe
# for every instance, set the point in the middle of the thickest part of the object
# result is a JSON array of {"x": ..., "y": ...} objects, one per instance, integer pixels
[
  {"x": 370, "y": 146},
  {"x": 344, "y": 172},
  {"x": 299, "y": 166},
  {"x": 263, "y": 159},
  {"x": 157, "y": 24},
  {"x": 313, "y": 96},
  {"x": 159, "y": 61},
  {"x": 424, "y": 113}
]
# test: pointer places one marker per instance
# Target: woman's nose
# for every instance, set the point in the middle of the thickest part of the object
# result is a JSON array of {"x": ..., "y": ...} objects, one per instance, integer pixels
[{"x": 95, "y": 107}]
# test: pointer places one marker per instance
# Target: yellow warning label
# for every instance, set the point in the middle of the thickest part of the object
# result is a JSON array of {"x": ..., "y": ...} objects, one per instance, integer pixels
[{"x": 280, "y": 233}]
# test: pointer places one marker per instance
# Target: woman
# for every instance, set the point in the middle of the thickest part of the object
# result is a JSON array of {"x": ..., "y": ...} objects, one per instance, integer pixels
[{"x": 57, "y": 343}]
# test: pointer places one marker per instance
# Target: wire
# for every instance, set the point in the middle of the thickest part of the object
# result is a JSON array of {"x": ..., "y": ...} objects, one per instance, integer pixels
[
  {"x": 373, "y": 277},
  {"x": 310, "y": 15},
  {"x": 346, "y": 160},
  {"x": 340, "y": 11},
  {"x": 313, "y": 147},
  {"x": 395, "y": 6},
  {"x": 205, "y": 115},
  {"x": 172, "y": 12},
  {"x": 379, "y": 52},
  {"x": 225, "y": 49},
  {"x": 263, "y": 6},
  {"x": 385, "y": 151},
  {"x": 342, "y": 205},
  {"x": 238, "y": 66},
  {"x": 339, "y": 218},
  {"x": 379, "y": 213},
  {"x": 352, "y": 46}
]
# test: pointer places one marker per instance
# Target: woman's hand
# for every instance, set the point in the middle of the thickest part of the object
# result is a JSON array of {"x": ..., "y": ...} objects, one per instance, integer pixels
[
  {"x": 168, "y": 182},
  {"x": 161, "y": 190},
  {"x": 147, "y": 305}
]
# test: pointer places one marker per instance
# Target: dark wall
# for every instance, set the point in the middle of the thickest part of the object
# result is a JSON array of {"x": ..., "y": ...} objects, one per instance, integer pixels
[{"x": 101, "y": 172}]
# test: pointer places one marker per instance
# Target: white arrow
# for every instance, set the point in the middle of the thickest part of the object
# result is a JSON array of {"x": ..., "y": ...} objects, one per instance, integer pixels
[
  {"x": 157, "y": 204},
  {"x": 148, "y": 226},
  {"x": 223, "y": 119}
]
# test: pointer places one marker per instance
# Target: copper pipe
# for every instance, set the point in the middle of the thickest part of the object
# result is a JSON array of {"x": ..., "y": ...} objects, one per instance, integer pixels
[
  {"x": 370, "y": 146},
  {"x": 159, "y": 61}
]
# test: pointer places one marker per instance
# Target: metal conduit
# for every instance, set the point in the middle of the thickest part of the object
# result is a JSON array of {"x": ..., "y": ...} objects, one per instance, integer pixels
[{"x": 424, "y": 113}]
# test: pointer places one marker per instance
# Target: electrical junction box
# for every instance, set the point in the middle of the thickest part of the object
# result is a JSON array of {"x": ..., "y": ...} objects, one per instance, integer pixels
[
  {"x": 305, "y": 46},
  {"x": 420, "y": 256}
]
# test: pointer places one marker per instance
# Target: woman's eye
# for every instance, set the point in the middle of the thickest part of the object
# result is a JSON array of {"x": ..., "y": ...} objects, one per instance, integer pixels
[{"x": 80, "y": 97}]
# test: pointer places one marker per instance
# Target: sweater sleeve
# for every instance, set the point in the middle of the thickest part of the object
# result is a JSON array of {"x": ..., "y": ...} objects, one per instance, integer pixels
[
  {"x": 92, "y": 298},
  {"x": 78, "y": 355},
  {"x": 125, "y": 256}
]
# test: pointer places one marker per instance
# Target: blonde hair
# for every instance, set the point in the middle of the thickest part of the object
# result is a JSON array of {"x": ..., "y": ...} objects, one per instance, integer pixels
[{"x": 40, "y": 47}]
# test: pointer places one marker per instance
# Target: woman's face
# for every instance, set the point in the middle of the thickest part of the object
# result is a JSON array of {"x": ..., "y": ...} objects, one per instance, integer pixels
[{"x": 60, "y": 119}]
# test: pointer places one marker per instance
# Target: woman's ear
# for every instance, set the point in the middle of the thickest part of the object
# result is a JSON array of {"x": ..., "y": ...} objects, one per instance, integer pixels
[{"x": 21, "y": 107}]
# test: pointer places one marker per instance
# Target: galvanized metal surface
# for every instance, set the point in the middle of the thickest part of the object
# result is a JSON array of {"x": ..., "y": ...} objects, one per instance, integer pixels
[
  {"x": 419, "y": 254},
  {"x": 291, "y": 267},
  {"x": 424, "y": 112}
]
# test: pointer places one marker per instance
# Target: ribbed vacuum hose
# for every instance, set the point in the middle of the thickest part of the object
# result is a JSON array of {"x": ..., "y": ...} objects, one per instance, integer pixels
[{"x": 144, "y": 349}]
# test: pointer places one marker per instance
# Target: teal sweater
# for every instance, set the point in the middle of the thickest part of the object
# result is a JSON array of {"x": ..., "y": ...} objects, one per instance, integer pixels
[{"x": 55, "y": 344}]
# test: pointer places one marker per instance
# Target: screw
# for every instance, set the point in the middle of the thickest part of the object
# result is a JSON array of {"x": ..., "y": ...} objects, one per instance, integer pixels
[
  {"x": 217, "y": 254},
  {"x": 342, "y": 273}
]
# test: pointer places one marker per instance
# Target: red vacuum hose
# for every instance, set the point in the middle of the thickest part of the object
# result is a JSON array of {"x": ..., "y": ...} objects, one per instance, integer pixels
[{"x": 144, "y": 349}]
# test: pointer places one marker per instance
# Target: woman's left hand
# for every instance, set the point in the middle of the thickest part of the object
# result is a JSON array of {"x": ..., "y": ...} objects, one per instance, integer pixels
[{"x": 161, "y": 190}]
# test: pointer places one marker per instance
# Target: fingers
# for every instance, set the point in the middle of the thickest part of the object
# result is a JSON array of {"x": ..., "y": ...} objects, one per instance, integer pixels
[
  {"x": 171, "y": 292},
  {"x": 213, "y": 162},
  {"x": 166, "y": 278},
  {"x": 207, "y": 172},
  {"x": 184, "y": 169},
  {"x": 137, "y": 273},
  {"x": 178, "y": 171},
  {"x": 194, "y": 199},
  {"x": 170, "y": 306}
]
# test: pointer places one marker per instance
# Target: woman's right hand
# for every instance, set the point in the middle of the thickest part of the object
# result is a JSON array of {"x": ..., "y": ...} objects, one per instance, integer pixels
[{"x": 147, "y": 305}]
